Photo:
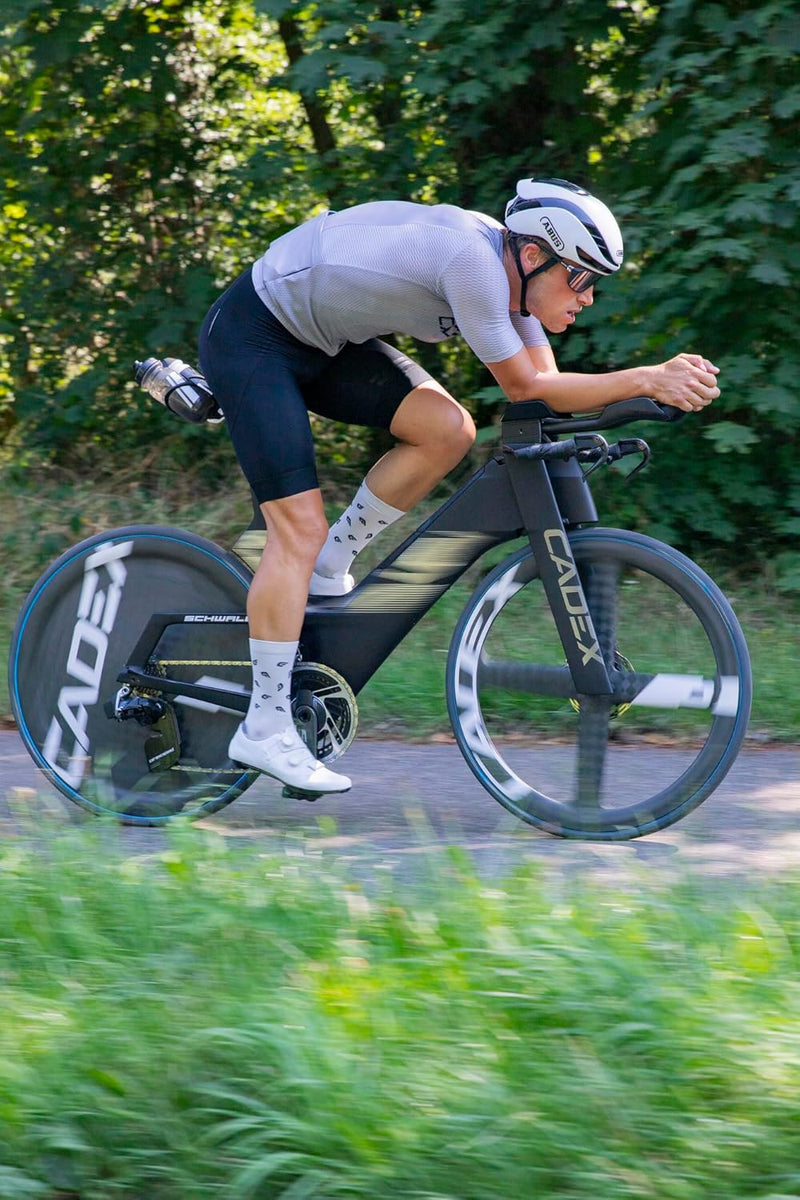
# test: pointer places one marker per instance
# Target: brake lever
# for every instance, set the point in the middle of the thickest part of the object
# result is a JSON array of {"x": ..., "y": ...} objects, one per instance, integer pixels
[
  {"x": 626, "y": 446},
  {"x": 598, "y": 450}
]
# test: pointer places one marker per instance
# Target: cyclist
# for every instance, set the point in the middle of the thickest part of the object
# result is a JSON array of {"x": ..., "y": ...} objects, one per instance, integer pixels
[{"x": 301, "y": 331}]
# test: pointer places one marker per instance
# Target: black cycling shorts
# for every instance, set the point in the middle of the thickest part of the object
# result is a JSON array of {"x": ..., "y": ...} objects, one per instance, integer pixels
[{"x": 266, "y": 381}]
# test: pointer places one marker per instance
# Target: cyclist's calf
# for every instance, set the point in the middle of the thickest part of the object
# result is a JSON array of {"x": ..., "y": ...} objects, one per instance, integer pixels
[{"x": 296, "y": 530}]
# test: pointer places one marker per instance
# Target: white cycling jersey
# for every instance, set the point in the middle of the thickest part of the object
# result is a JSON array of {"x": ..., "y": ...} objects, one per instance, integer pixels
[{"x": 395, "y": 267}]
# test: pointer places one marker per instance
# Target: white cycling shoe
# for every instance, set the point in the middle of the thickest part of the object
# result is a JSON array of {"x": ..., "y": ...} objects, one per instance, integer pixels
[
  {"x": 286, "y": 757},
  {"x": 331, "y": 585}
]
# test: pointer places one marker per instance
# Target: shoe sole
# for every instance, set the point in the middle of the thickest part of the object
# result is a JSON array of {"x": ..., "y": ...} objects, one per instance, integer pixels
[
  {"x": 303, "y": 792},
  {"x": 292, "y": 793}
]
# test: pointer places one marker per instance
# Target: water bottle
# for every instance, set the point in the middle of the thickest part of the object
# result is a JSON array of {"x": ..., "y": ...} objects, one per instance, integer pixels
[{"x": 180, "y": 388}]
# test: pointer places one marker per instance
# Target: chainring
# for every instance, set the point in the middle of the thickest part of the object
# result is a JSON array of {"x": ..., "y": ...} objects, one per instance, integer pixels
[{"x": 323, "y": 700}]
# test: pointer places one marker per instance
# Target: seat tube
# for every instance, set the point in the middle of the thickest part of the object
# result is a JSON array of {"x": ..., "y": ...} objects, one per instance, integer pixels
[{"x": 558, "y": 572}]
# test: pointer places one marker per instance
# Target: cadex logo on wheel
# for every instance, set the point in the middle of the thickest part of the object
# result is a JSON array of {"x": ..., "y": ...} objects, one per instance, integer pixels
[{"x": 98, "y": 605}]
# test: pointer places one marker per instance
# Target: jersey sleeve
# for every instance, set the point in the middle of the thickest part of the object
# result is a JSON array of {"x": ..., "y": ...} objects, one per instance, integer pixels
[{"x": 475, "y": 286}]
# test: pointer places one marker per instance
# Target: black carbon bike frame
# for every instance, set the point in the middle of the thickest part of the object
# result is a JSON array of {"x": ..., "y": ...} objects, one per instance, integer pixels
[{"x": 535, "y": 488}]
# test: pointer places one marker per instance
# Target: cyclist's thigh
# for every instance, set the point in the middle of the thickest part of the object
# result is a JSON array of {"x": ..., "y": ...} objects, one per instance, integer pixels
[
  {"x": 365, "y": 384},
  {"x": 271, "y": 435},
  {"x": 430, "y": 415},
  {"x": 256, "y": 369}
]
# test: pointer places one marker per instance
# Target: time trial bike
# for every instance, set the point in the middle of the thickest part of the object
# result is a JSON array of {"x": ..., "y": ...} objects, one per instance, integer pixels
[{"x": 598, "y": 682}]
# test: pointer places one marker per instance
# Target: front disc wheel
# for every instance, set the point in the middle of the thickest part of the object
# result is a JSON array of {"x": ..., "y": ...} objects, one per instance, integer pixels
[{"x": 601, "y": 767}]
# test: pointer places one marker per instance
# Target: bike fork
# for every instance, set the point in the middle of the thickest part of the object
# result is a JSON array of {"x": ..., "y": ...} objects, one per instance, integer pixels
[{"x": 541, "y": 517}]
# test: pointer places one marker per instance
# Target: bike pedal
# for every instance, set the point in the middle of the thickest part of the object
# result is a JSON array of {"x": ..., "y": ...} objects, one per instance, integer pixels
[{"x": 290, "y": 793}]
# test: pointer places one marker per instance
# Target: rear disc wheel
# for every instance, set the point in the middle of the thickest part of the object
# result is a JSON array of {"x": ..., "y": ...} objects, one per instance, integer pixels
[{"x": 75, "y": 635}]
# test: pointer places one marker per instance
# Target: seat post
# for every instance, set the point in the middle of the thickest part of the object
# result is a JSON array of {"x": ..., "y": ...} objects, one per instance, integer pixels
[{"x": 250, "y": 543}]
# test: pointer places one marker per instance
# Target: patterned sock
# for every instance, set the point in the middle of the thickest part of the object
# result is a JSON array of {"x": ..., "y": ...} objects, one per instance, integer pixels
[
  {"x": 366, "y": 517},
  {"x": 270, "y": 708}
]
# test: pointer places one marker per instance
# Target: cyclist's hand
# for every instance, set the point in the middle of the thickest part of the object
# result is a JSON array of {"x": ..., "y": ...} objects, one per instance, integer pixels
[{"x": 687, "y": 381}]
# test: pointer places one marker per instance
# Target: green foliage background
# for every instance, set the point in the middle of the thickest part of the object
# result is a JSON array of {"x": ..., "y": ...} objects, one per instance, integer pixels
[{"x": 151, "y": 150}]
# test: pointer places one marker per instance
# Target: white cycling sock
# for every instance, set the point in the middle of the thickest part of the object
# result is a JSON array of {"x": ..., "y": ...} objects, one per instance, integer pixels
[
  {"x": 270, "y": 708},
  {"x": 366, "y": 517}
]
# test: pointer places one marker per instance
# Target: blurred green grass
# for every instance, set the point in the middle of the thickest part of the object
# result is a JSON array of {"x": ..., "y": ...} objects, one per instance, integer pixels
[
  {"x": 406, "y": 697},
  {"x": 208, "y": 1020}
]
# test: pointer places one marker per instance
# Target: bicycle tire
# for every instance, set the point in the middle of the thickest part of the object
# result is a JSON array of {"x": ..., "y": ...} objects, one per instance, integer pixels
[
  {"x": 74, "y": 635},
  {"x": 683, "y": 690}
]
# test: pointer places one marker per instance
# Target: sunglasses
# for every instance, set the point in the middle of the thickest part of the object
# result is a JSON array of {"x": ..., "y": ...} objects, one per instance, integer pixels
[{"x": 579, "y": 279}]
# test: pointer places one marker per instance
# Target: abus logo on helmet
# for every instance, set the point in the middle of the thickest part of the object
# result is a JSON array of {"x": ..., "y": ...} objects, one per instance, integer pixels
[
  {"x": 97, "y": 612},
  {"x": 555, "y": 237}
]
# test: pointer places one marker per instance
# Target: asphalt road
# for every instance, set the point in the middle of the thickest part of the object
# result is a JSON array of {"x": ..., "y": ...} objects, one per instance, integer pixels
[{"x": 409, "y": 797}]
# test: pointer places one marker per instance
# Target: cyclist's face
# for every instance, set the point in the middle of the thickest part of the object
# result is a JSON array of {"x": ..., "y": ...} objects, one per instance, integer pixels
[{"x": 550, "y": 298}]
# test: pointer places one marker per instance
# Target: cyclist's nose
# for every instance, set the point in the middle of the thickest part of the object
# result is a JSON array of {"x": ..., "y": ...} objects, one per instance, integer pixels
[{"x": 586, "y": 297}]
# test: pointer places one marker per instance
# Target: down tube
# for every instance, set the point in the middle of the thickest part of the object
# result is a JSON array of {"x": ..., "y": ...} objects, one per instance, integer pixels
[{"x": 355, "y": 634}]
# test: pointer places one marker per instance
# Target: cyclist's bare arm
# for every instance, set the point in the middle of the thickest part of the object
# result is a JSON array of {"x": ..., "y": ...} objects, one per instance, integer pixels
[{"x": 687, "y": 381}]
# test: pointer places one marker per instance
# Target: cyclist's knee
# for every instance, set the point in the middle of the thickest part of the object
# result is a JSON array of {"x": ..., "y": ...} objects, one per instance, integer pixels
[
  {"x": 466, "y": 433},
  {"x": 429, "y": 417},
  {"x": 296, "y": 527},
  {"x": 452, "y": 432}
]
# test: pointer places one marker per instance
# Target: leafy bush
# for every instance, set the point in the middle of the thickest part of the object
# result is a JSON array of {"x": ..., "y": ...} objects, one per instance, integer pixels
[{"x": 152, "y": 150}]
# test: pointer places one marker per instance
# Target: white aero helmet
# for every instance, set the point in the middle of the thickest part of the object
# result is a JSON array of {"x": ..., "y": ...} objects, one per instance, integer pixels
[{"x": 579, "y": 229}]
